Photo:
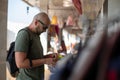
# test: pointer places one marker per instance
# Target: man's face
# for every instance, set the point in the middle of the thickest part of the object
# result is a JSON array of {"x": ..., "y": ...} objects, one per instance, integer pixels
[
  {"x": 42, "y": 27},
  {"x": 38, "y": 30}
]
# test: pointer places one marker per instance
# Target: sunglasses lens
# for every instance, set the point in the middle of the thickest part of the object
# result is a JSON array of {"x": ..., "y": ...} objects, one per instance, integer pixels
[{"x": 44, "y": 26}]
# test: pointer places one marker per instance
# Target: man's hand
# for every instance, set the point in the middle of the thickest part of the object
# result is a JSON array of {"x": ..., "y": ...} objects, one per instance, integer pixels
[{"x": 51, "y": 59}]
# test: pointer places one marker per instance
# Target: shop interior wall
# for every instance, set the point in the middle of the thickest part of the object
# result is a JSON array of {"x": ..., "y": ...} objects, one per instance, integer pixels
[{"x": 113, "y": 7}]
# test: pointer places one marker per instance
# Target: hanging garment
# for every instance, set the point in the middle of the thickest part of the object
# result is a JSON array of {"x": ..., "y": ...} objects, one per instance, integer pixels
[
  {"x": 54, "y": 20},
  {"x": 113, "y": 68},
  {"x": 70, "y": 21},
  {"x": 78, "y": 5}
]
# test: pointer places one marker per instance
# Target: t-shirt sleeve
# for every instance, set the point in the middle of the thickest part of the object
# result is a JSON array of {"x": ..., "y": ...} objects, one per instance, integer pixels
[{"x": 22, "y": 41}]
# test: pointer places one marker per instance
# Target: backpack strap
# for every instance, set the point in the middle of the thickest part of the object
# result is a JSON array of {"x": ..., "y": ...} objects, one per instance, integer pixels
[
  {"x": 29, "y": 34},
  {"x": 28, "y": 31},
  {"x": 12, "y": 45}
]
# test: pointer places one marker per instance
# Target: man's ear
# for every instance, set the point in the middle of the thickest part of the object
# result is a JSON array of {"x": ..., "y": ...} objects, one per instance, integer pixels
[{"x": 36, "y": 22}]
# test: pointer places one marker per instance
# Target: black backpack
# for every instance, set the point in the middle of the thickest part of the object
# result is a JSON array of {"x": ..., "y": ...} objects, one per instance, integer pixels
[
  {"x": 11, "y": 61},
  {"x": 11, "y": 64}
]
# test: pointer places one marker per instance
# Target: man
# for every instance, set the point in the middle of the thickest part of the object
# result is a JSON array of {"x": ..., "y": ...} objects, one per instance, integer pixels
[{"x": 29, "y": 52}]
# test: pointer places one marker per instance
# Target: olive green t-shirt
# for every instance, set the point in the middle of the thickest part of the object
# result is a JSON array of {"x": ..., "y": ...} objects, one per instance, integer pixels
[{"x": 29, "y": 42}]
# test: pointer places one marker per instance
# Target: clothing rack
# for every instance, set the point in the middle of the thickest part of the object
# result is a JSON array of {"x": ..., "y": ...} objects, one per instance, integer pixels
[
  {"x": 113, "y": 36},
  {"x": 95, "y": 57},
  {"x": 106, "y": 42}
]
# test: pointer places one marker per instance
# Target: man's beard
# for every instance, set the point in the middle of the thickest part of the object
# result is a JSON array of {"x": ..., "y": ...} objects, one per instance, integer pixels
[{"x": 38, "y": 31}]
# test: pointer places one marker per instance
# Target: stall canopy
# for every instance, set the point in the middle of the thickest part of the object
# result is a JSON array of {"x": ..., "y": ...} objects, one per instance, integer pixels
[{"x": 90, "y": 8}]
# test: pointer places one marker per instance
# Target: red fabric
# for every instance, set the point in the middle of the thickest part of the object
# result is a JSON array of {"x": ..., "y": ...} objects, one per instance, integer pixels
[
  {"x": 112, "y": 75},
  {"x": 78, "y": 5},
  {"x": 57, "y": 29}
]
